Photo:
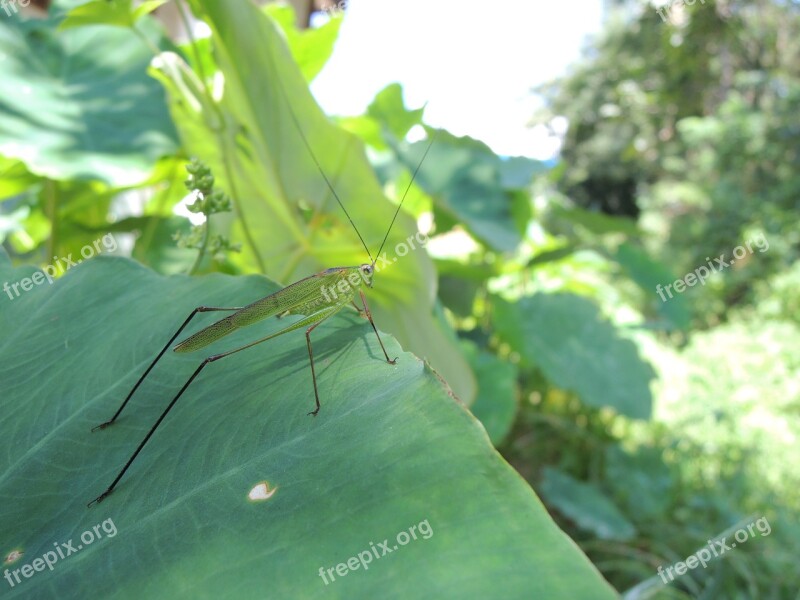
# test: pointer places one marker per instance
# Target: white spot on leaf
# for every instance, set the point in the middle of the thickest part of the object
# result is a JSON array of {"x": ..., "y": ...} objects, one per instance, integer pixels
[{"x": 261, "y": 491}]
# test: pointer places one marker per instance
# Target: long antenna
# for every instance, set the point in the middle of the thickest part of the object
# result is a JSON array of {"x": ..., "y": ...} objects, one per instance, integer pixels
[
  {"x": 325, "y": 177},
  {"x": 410, "y": 183}
]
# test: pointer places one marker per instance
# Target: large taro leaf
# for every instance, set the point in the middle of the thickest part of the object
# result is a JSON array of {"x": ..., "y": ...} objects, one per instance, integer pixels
[
  {"x": 389, "y": 450},
  {"x": 288, "y": 219},
  {"x": 496, "y": 403},
  {"x": 473, "y": 186},
  {"x": 78, "y": 103},
  {"x": 585, "y": 504},
  {"x": 311, "y": 48},
  {"x": 386, "y": 115},
  {"x": 649, "y": 273},
  {"x": 567, "y": 338}
]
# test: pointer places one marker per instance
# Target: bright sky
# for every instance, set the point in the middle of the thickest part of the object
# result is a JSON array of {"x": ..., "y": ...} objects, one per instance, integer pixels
[{"x": 474, "y": 63}]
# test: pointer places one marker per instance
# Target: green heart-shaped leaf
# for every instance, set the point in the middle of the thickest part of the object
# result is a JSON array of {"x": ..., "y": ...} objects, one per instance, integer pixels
[
  {"x": 240, "y": 494},
  {"x": 83, "y": 106}
]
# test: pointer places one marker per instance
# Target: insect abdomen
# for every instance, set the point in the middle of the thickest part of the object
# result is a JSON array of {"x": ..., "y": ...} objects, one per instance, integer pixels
[{"x": 205, "y": 336}]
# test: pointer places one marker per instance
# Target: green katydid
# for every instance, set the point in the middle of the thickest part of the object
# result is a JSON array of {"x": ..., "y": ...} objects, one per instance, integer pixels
[{"x": 306, "y": 297}]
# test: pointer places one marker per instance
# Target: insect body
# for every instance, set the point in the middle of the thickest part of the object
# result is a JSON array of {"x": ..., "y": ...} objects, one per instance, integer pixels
[{"x": 306, "y": 297}]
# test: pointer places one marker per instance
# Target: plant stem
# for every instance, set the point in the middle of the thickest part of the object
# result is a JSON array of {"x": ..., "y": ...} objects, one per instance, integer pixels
[
  {"x": 51, "y": 210},
  {"x": 202, "y": 252},
  {"x": 221, "y": 136}
]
